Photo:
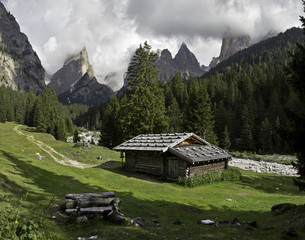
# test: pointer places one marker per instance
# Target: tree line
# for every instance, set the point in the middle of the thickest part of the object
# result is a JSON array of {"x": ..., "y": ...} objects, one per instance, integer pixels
[
  {"x": 239, "y": 105},
  {"x": 43, "y": 112}
]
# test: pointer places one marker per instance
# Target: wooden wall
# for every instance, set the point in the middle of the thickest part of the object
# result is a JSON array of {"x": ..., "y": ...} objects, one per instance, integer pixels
[
  {"x": 145, "y": 161},
  {"x": 168, "y": 165},
  {"x": 207, "y": 167}
]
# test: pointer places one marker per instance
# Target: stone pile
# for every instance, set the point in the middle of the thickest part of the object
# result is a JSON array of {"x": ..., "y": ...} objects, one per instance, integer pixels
[{"x": 263, "y": 166}]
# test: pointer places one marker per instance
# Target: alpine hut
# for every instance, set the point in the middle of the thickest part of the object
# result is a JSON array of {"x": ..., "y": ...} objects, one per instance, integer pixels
[{"x": 172, "y": 155}]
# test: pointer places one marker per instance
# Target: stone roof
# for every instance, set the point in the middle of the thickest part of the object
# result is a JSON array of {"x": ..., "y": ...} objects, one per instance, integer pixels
[
  {"x": 156, "y": 142},
  {"x": 199, "y": 153}
]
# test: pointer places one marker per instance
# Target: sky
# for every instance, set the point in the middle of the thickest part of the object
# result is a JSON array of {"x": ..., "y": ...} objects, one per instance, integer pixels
[{"x": 111, "y": 30}]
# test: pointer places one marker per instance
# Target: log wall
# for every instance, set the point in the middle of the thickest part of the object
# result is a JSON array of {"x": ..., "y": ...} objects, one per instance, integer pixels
[
  {"x": 206, "y": 167},
  {"x": 145, "y": 161}
]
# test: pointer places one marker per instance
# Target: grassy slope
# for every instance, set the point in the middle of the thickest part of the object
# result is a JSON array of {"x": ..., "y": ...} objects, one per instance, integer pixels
[{"x": 252, "y": 197}]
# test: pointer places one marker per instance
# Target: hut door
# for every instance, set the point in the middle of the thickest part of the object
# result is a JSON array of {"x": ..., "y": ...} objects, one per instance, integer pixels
[{"x": 173, "y": 168}]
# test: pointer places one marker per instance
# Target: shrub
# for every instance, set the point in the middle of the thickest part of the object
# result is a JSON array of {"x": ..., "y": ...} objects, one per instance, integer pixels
[{"x": 230, "y": 174}]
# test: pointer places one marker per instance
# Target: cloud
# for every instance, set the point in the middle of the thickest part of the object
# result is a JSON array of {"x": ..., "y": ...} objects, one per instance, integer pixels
[{"x": 112, "y": 30}]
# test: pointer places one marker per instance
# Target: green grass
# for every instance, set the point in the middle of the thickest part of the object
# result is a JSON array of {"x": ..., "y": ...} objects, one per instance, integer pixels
[{"x": 22, "y": 175}]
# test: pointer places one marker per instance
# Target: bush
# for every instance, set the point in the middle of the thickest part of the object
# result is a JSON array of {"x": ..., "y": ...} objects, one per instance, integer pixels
[{"x": 230, "y": 174}]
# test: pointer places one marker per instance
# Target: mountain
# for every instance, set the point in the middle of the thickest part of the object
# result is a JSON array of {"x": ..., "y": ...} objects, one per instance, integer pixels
[
  {"x": 20, "y": 67},
  {"x": 75, "y": 82},
  {"x": 184, "y": 61},
  {"x": 72, "y": 70},
  {"x": 230, "y": 45},
  {"x": 86, "y": 91}
]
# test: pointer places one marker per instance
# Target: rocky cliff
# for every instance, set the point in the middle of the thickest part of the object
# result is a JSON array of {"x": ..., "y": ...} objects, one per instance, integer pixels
[
  {"x": 230, "y": 45},
  {"x": 184, "y": 61},
  {"x": 75, "y": 82},
  {"x": 72, "y": 70},
  {"x": 86, "y": 91},
  {"x": 20, "y": 67}
]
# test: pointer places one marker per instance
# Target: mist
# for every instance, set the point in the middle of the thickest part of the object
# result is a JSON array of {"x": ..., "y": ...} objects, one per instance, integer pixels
[{"x": 112, "y": 30}]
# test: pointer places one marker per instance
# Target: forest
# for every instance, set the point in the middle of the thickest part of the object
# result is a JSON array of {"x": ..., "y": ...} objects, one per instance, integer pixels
[{"x": 239, "y": 105}]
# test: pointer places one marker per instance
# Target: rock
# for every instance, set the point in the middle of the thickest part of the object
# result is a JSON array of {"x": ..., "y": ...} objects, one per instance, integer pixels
[
  {"x": 116, "y": 218},
  {"x": 82, "y": 219},
  {"x": 247, "y": 227},
  {"x": 207, "y": 222},
  {"x": 252, "y": 223},
  {"x": 60, "y": 218},
  {"x": 95, "y": 232},
  {"x": 40, "y": 157},
  {"x": 291, "y": 232},
  {"x": 176, "y": 221},
  {"x": 99, "y": 158},
  {"x": 235, "y": 221},
  {"x": 223, "y": 222},
  {"x": 268, "y": 228},
  {"x": 281, "y": 208}
]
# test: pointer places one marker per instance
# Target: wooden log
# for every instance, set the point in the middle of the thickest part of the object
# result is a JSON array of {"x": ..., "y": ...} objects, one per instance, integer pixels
[
  {"x": 89, "y": 195},
  {"x": 90, "y": 210},
  {"x": 96, "y": 209},
  {"x": 89, "y": 202}
]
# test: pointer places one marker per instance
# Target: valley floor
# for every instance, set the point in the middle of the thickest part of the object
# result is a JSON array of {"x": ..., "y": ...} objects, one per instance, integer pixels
[{"x": 165, "y": 209}]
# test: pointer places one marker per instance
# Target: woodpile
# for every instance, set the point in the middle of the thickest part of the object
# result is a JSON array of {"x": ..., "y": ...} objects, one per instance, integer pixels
[{"x": 85, "y": 206}]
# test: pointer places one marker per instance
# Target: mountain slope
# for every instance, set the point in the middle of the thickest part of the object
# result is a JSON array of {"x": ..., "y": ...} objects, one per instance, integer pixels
[
  {"x": 184, "y": 61},
  {"x": 231, "y": 45},
  {"x": 75, "y": 82},
  {"x": 86, "y": 91},
  {"x": 20, "y": 67},
  {"x": 71, "y": 72}
]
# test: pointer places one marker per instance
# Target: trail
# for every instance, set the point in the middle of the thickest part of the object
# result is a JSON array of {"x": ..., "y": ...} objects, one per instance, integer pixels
[{"x": 52, "y": 152}]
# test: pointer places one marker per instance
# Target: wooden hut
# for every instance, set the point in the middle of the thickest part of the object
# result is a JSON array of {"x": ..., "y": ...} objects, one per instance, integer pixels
[{"x": 172, "y": 155}]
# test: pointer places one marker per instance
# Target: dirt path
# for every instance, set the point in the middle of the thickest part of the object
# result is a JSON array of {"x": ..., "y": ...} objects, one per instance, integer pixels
[{"x": 58, "y": 157}]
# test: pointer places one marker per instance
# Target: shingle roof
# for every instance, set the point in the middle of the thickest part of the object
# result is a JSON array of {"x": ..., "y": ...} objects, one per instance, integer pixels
[
  {"x": 156, "y": 142},
  {"x": 170, "y": 142},
  {"x": 199, "y": 153}
]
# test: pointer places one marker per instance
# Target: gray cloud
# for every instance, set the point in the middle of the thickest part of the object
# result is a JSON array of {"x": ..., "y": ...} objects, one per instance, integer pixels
[{"x": 112, "y": 29}]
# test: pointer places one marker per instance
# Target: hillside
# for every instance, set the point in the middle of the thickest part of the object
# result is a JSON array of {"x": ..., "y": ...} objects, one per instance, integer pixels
[{"x": 168, "y": 211}]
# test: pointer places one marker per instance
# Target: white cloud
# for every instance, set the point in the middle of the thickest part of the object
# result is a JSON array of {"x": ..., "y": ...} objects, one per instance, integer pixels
[{"x": 112, "y": 30}]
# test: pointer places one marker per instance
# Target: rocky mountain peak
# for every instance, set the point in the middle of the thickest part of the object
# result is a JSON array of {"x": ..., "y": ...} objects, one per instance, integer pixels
[
  {"x": 231, "y": 44},
  {"x": 20, "y": 67},
  {"x": 73, "y": 69},
  {"x": 187, "y": 61}
]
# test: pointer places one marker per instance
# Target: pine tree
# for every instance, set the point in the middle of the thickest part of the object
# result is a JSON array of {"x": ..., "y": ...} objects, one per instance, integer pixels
[
  {"x": 76, "y": 137},
  {"x": 225, "y": 141},
  {"x": 174, "y": 116},
  {"x": 296, "y": 70},
  {"x": 146, "y": 105},
  {"x": 265, "y": 138},
  {"x": 110, "y": 128},
  {"x": 198, "y": 117}
]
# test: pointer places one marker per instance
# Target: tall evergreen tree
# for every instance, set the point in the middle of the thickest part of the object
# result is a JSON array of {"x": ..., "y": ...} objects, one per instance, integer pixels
[
  {"x": 146, "y": 107},
  {"x": 296, "y": 70}
]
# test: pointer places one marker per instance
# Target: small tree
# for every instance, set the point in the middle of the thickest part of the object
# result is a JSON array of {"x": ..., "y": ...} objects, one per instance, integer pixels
[
  {"x": 225, "y": 141},
  {"x": 76, "y": 137}
]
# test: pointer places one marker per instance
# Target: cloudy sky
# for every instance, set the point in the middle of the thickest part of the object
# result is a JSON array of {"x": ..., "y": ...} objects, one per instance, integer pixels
[{"x": 111, "y": 30}]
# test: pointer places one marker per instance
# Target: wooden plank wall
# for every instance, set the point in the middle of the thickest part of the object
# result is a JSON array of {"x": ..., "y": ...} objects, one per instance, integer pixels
[
  {"x": 203, "y": 168},
  {"x": 145, "y": 161},
  {"x": 181, "y": 166}
]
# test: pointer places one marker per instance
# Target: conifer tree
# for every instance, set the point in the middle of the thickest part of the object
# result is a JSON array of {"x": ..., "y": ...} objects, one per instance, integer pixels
[
  {"x": 146, "y": 107},
  {"x": 110, "y": 128},
  {"x": 198, "y": 117},
  {"x": 225, "y": 141},
  {"x": 296, "y": 70}
]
